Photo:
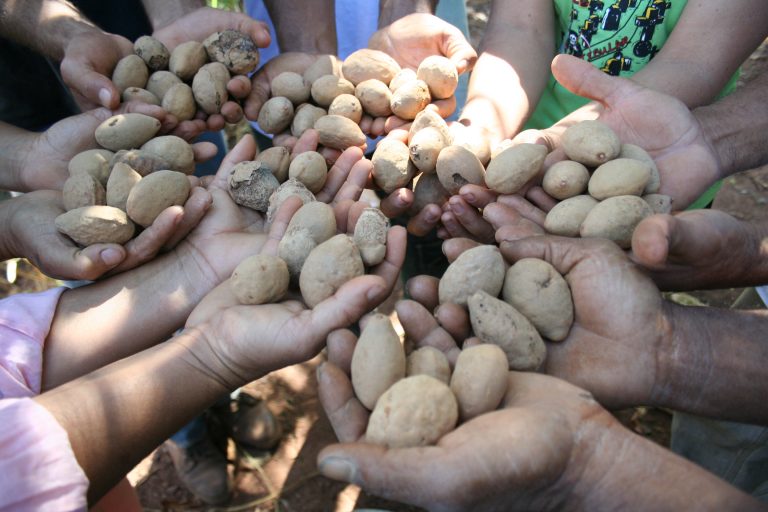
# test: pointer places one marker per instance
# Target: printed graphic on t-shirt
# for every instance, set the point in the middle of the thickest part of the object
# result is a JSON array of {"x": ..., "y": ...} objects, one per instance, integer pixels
[{"x": 615, "y": 36}]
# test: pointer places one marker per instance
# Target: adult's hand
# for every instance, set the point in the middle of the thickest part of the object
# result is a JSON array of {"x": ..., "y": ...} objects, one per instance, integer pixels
[
  {"x": 89, "y": 59},
  {"x": 700, "y": 249},
  {"x": 660, "y": 124},
  {"x": 261, "y": 81}
]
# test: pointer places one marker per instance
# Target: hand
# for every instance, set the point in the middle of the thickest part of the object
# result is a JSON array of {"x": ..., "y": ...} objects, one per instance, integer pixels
[
  {"x": 417, "y": 36},
  {"x": 89, "y": 59},
  {"x": 261, "y": 88},
  {"x": 34, "y": 236},
  {"x": 698, "y": 249},
  {"x": 660, "y": 124},
  {"x": 202, "y": 22},
  {"x": 620, "y": 320},
  {"x": 263, "y": 338},
  {"x": 543, "y": 433}
]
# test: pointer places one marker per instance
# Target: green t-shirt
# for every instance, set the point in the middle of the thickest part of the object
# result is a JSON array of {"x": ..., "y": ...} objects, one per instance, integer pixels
[{"x": 617, "y": 37}]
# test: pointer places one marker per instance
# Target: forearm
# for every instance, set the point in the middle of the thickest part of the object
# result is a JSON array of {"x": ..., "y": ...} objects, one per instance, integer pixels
[
  {"x": 15, "y": 144},
  {"x": 623, "y": 470},
  {"x": 105, "y": 321},
  {"x": 701, "y": 53},
  {"x": 513, "y": 68},
  {"x": 713, "y": 363},
  {"x": 736, "y": 125},
  {"x": 392, "y": 10},
  {"x": 46, "y": 26},
  {"x": 308, "y": 26},
  {"x": 165, "y": 12},
  {"x": 115, "y": 416}
]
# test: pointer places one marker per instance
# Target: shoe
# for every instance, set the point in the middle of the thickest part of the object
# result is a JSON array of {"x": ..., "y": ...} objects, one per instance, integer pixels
[
  {"x": 202, "y": 468},
  {"x": 253, "y": 428}
]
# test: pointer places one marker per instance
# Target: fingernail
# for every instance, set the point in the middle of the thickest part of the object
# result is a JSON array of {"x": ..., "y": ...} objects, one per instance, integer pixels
[
  {"x": 105, "y": 97},
  {"x": 337, "y": 468},
  {"x": 111, "y": 257},
  {"x": 431, "y": 217},
  {"x": 463, "y": 64}
]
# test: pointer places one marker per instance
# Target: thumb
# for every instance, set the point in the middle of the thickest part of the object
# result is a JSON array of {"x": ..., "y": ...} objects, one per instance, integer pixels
[
  {"x": 561, "y": 252},
  {"x": 88, "y": 263},
  {"x": 456, "y": 47},
  {"x": 92, "y": 85},
  {"x": 354, "y": 299},
  {"x": 658, "y": 238},
  {"x": 582, "y": 78}
]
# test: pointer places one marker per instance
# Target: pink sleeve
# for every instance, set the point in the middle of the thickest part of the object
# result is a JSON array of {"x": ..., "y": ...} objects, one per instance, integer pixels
[
  {"x": 39, "y": 470},
  {"x": 25, "y": 320}
]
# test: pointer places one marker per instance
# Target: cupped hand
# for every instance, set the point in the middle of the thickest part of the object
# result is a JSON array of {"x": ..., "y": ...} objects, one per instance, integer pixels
[
  {"x": 658, "y": 123},
  {"x": 697, "y": 249},
  {"x": 261, "y": 81},
  {"x": 544, "y": 433},
  {"x": 89, "y": 59},
  {"x": 35, "y": 237},
  {"x": 412, "y": 38},
  {"x": 201, "y": 23}
]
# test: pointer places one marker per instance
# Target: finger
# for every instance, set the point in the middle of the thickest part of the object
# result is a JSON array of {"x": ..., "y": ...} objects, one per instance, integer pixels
[
  {"x": 471, "y": 220},
  {"x": 424, "y": 221},
  {"x": 540, "y": 199},
  {"x": 280, "y": 224},
  {"x": 445, "y": 107},
  {"x": 389, "y": 269},
  {"x": 423, "y": 328},
  {"x": 239, "y": 87},
  {"x": 149, "y": 242},
  {"x": 423, "y": 289},
  {"x": 397, "y": 203},
  {"x": 347, "y": 415},
  {"x": 89, "y": 263},
  {"x": 94, "y": 86},
  {"x": 307, "y": 142},
  {"x": 215, "y": 122},
  {"x": 404, "y": 474},
  {"x": 393, "y": 123},
  {"x": 656, "y": 237},
  {"x": 561, "y": 252},
  {"x": 588, "y": 81},
  {"x": 195, "y": 208},
  {"x": 365, "y": 124},
  {"x": 477, "y": 196},
  {"x": 456, "y": 47},
  {"x": 354, "y": 213},
  {"x": 341, "y": 212},
  {"x": 471, "y": 342},
  {"x": 204, "y": 151},
  {"x": 331, "y": 155},
  {"x": 338, "y": 174},
  {"x": 454, "y": 247},
  {"x": 454, "y": 319},
  {"x": 356, "y": 181},
  {"x": 244, "y": 150},
  {"x": 523, "y": 228},
  {"x": 260, "y": 92},
  {"x": 524, "y": 208},
  {"x": 285, "y": 140},
  {"x": 377, "y": 127},
  {"x": 222, "y": 296},
  {"x": 341, "y": 346},
  {"x": 188, "y": 130},
  {"x": 400, "y": 134},
  {"x": 231, "y": 113},
  {"x": 453, "y": 226}
]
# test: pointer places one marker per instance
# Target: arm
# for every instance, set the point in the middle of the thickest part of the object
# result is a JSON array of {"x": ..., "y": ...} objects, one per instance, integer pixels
[
  {"x": 734, "y": 124},
  {"x": 309, "y": 27},
  {"x": 703, "y": 52},
  {"x": 513, "y": 68},
  {"x": 14, "y": 147}
]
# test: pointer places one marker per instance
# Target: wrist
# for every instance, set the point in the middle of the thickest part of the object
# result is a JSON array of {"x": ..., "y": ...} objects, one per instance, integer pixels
[
  {"x": 717, "y": 138},
  {"x": 480, "y": 115},
  {"x": 9, "y": 246},
  {"x": 205, "y": 359}
]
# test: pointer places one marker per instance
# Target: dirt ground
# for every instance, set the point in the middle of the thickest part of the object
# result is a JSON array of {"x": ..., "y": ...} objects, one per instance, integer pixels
[{"x": 287, "y": 479}]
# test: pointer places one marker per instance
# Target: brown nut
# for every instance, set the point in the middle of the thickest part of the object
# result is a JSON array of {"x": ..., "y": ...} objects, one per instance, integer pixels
[
  {"x": 292, "y": 86},
  {"x": 366, "y": 64},
  {"x": 338, "y": 253},
  {"x": 122, "y": 179},
  {"x": 591, "y": 143},
  {"x": 348, "y": 106},
  {"x": 305, "y": 118},
  {"x": 81, "y": 190},
  {"x": 153, "y": 52},
  {"x": 210, "y": 87},
  {"x": 176, "y": 152},
  {"x": 310, "y": 169},
  {"x": 456, "y": 166},
  {"x": 234, "y": 49},
  {"x": 260, "y": 279},
  {"x": 326, "y": 88},
  {"x": 565, "y": 179},
  {"x": 130, "y": 71},
  {"x": 140, "y": 95},
  {"x": 479, "y": 268},
  {"x": 154, "y": 193},
  {"x": 566, "y": 217},
  {"x": 251, "y": 184},
  {"x": 615, "y": 219},
  {"x": 425, "y": 147},
  {"x": 276, "y": 159},
  {"x": 375, "y": 97},
  {"x": 95, "y": 162},
  {"x": 186, "y": 59},
  {"x": 180, "y": 102},
  {"x": 96, "y": 225},
  {"x": 410, "y": 99},
  {"x": 440, "y": 75},
  {"x": 378, "y": 360},
  {"x": 126, "y": 131},
  {"x": 392, "y": 166},
  {"x": 514, "y": 167},
  {"x": 275, "y": 115},
  {"x": 324, "y": 65},
  {"x": 160, "y": 81},
  {"x": 371, "y": 236},
  {"x": 339, "y": 132},
  {"x": 480, "y": 379},
  {"x": 143, "y": 162}
]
